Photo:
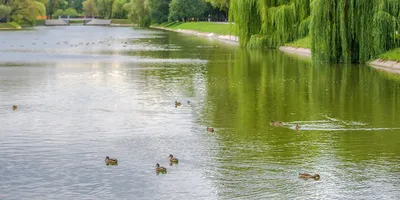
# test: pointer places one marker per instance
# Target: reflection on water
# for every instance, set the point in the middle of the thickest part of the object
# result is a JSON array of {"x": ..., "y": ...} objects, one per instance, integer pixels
[{"x": 84, "y": 93}]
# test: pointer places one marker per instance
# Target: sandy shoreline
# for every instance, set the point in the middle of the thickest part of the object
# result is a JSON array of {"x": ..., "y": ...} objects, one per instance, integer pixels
[
  {"x": 297, "y": 51},
  {"x": 386, "y": 65}
]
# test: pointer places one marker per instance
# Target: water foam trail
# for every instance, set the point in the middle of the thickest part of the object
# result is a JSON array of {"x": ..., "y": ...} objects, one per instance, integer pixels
[{"x": 332, "y": 124}]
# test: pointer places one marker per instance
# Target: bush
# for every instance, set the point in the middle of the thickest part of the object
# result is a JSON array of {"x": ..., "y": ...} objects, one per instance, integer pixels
[
  {"x": 71, "y": 12},
  {"x": 4, "y": 13},
  {"x": 58, "y": 13}
]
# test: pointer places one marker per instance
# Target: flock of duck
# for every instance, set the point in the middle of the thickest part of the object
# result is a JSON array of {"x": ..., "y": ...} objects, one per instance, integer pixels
[{"x": 173, "y": 160}]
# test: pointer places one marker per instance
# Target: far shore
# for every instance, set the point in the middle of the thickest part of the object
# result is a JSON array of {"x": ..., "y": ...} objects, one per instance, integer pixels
[{"x": 229, "y": 38}]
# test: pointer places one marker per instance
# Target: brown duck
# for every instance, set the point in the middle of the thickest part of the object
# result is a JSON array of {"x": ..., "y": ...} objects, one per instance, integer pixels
[
  {"x": 306, "y": 176},
  {"x": 111, "y": 161},
  {"x": 274, "y": 123}
]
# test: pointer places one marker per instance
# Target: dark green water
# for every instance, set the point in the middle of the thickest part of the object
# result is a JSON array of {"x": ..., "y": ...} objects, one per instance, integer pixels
[{"x": 88, "y": 92}]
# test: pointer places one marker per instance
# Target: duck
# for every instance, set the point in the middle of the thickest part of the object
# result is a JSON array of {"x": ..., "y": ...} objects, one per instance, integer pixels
[
  {"x": 210, "y": 129},
  {"x": 177, "y": 103},
  {"x": 305, "y": 176},
  {"x": 297, "y": 127},
  {"x": 172, "y": 159},
  {"x": 274, "y": 123},
  {"x": 14, "y": 107},
  {"x": 160, "y": 169},
  {"x": 111, "y": 161}
]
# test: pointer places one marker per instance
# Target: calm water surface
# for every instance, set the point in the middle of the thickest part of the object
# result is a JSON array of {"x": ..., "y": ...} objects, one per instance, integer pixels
[{"x": 87, "y": 92}]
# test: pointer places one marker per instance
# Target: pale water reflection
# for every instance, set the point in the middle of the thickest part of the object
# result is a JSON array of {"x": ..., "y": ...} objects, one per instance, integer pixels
[{"x": 84, "y": 93}]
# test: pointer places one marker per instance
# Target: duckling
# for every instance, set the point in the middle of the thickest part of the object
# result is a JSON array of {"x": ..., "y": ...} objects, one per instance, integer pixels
[
  {"x": 172, "y": 159},
  {"x": 15, "y": 107},
  {"x": 306, "y": 176},
  {"x": 210, "y": 129},
  {"x": 111, "y": 161},
  {"x": 274, "y": 123},
  {"x": 297, "y": 127},
  {"x": 160, "y": 169},
  {"x": 177, "y": 103}
]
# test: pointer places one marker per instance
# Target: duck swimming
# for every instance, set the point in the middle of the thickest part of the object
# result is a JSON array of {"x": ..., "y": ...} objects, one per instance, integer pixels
[
  {"x": 172, "y": 159},
  {"x": 177, "y": 103},
  {"x": 306, "y": 176},
  {"x": 15, "y": 107},
  {"x": 160, "y": 169},
  {"x": 297, "y": 127},
  {"x": 274, "y": 123},
  {"x": 209, "y": 129},
  {"x": 111, "y": 161}
]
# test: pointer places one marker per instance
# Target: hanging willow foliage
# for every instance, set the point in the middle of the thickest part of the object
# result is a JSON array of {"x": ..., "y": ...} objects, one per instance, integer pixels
[
  {"x": 273, "y": 22},
  {"x": 352, "y": 30},
  {"x": 340, "y": 30}
]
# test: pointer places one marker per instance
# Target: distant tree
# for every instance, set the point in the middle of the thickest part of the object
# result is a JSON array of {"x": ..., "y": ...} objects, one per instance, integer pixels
[
  {"x": 138, "y": 12},
  {"x": 52, "y": 6},
  {"x": 221, "y": 4},
  {"x": 59, "y": 13},
  {"x": 159, "y": 10},
  {"x": 104, "y": 8},
  {"x": 89, "y": 8},
  {"x": 71, "y": 12},
  {"x": 40, "y": 8},
  {"x": 185, "y": 9},
  {"x": 118, "y": 11},
  {"x": 22, "y": 10},
  {"x": 4, "y": 13}
]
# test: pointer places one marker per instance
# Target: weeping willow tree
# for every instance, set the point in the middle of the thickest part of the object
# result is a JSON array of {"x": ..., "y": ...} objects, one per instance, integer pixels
[
  {"x": 353, "y": 30},
  {"x": 270, "y": 23},
  {"x": 340, "y": 30}
]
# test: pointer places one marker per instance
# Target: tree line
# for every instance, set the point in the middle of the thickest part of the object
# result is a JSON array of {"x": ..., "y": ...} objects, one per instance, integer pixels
[{"x": 142, "y": 12}]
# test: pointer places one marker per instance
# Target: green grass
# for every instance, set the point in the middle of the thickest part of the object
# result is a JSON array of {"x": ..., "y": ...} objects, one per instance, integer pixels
[
  {"x": 208, "y": 27},
  {"x": 393, "y": 54},
  {"x": 76, "y": 21},
  {"x": 301, "y": 43},
  {"x": 9, "y": 25},
  {"x": 121, "y": 21}
]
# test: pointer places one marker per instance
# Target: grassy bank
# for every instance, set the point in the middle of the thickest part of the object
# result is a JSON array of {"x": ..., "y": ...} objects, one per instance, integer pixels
[
  {"x": 208, "y": 27},
  {"x": 10, "y": 25},
  {"x": 393, "y": 54},
  {"x": 121, "y": 21},
  {"x": 301, "y": 43}
]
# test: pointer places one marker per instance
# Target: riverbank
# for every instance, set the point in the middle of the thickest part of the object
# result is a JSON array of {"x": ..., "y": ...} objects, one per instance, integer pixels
[
  {"x": 9, "y": 26},
  {"x": 216, "y": 30}
]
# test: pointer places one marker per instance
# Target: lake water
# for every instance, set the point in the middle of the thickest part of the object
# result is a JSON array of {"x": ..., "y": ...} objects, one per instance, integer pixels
[{"x": 84, "y": 93}]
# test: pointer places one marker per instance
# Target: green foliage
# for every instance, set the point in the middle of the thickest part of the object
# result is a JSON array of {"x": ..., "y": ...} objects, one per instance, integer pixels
[
  {"x": 393, "y": 54},
  {"x": 4, "y": 13},
  {"x": 121, "y": 21},
  {"x": 58, "y": 13},
  {"x": 40, "y": 8},
  {"x": 221, "y": 4},
  {"x": 71, "y": 12},
  {"x": 182, "y": 10},
  {"x": 9, "y": 25},
  {"x": 89, "y": 8},
  {"x": 118, "y": 11},
  {"x": 23, "y": 11},
  {"x": 353, "y": 30},
  {"x": 138, "y": 12},
  {"x": 159, "y": 10},
  {"x": 301, "y": 43},
  {"x": 104, "y": 8}
]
